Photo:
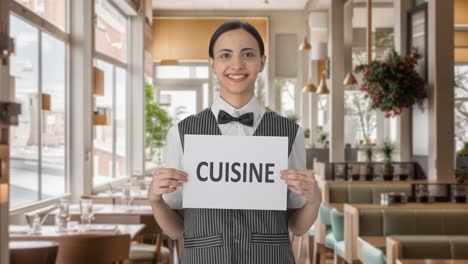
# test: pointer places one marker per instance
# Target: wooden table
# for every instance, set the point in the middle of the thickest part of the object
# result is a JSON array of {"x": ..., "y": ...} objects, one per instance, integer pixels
[
  {"x": 376, "y": 241},
  {"x": 20, "y": 232},
  {"x": 432, "y": 261},
  {"x": 351, "y": 220}
]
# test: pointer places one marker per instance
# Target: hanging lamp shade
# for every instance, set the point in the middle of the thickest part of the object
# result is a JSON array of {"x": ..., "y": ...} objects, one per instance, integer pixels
[
  {"x": 309, "y": 88},
  {"x": 323, "y": 88},
  {"x": 305, "y": 45},
  {"x": 350, "y": 79}
]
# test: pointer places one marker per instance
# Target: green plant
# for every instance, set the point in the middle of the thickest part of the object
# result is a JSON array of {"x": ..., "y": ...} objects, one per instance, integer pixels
[
  {"x": 307, "y": 133},
  {"x": 461, "y": 174},
  {"x": 322, "y": 138},
  {"x": 393, "y": 84},
  {"x": 368, "y": 153},
  {"x": 292, "y": 116},
  {"x": 387, "y": 151},
  {"x": 464, "y": 151},
  {"x": 158, "y": 122}
]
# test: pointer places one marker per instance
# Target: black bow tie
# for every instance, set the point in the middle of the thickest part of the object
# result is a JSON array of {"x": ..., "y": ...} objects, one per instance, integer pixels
[{"x": 245, "y": 119}]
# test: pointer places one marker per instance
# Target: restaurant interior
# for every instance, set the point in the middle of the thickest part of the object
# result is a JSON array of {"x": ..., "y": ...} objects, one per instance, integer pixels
[{"x": 89, "y": 89}]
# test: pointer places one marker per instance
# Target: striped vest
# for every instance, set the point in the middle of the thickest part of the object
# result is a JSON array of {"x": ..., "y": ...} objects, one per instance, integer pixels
[{"x": 225, "y": 236}]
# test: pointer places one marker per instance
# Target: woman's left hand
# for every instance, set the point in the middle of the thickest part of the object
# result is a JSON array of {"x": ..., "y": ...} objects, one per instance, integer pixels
[{"x": 301, "y": 182}]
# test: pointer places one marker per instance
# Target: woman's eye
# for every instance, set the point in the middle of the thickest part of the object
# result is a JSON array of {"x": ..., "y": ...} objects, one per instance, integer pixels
[
  {"x": 224, "y": 55},
  {"x": 249, "y": 54}
]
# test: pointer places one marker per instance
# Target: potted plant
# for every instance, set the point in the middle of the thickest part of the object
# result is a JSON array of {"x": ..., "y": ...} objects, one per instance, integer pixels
[
  {"x": 459, "y": 190},
  {"x": 393, "y": 84},
  {"x": 462, "y": 156},
  {"x": 387, "y": 151},
  {"x": 461, "y": 174},
  {"x": 367, "y": 169},
  {"x": 158, "y": 123},
  {"x": 322, "y": 139}
]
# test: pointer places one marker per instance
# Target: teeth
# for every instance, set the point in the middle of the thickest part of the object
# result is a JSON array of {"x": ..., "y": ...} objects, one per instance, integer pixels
[{"x": 237, "y": 76}]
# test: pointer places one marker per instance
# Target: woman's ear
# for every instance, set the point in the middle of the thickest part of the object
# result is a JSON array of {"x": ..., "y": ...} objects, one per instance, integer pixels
[
  {"x": 262, "y": 63},
  {"x": 211, "y": 60}
]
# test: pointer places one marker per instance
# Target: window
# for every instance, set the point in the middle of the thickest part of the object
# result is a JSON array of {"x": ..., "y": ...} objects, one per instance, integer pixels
[
  {"x": 110, "y": 30},
  {"x": 52, "y": 10},
  {"x": 109, "y": 145},
  {"x": 110, "y": 148},
  {"x": 360, "y": 119},
  {"x": 461, "y": 105},
  {"x": 38, "y": 143},
  {"x": 285, "y": 89}
]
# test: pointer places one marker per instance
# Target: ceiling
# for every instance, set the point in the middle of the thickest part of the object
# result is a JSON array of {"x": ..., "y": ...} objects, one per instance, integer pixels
[{"x": 229, "y": 4}]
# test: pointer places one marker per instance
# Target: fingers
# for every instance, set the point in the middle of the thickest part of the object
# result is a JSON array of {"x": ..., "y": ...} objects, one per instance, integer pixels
[
  {"x": 301, "y": 175},
  {"x": 177, "y": 174},
  {"x": 167, "y": 180}
]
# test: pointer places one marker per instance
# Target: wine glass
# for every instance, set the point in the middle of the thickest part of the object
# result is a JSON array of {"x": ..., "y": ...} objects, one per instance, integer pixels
[{"x": 86, "y": 212}]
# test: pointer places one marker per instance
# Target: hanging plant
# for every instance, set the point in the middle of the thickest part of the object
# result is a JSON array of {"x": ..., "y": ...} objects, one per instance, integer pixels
[{"x": 393, "y": 84}]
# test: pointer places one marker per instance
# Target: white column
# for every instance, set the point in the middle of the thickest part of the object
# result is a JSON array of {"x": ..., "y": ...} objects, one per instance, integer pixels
[
  {"x": 336, "y": 102},
  {"x": 403, "y": 133},
  {"x": 81, "y": 85},
  {"x": 441, "y": 91},
  {"x": 137, "y": 90}
]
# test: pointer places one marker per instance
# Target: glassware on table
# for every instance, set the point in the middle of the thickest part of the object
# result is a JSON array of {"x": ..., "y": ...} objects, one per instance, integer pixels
[
  {"x": 354, "y": 172},
  {"x": 63, "y": 215},
  {"x": 36, "y": 226},
  {"x": 86, "y": 212},
  {"x": 422, "y": 193},
  {"x": 125, "y": 199},
  {"x": 459, "y": 193}
]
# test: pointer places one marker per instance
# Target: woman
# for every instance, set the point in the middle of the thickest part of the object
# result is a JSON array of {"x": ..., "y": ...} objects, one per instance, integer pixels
[{"x": 236, "y": 54}]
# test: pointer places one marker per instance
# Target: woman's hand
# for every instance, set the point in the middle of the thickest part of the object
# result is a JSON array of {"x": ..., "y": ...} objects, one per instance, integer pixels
[
  {"x": 301, "y": 182},
  {"x": 165, "y": 180}
]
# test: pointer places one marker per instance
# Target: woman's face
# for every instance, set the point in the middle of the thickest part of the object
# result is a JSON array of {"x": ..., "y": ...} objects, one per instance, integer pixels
[{"x": 237, "y": 62}]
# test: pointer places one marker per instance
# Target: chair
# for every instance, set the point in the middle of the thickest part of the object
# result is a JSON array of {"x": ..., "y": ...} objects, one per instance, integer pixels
[
  {"x": 96, "y": 248},
  {"x": 42, "y": 252},
  {"x": 153, "y": 249}
]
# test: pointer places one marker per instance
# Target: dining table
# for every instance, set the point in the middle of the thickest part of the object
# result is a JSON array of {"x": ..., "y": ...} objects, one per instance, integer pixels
[{"x": 22, "y": 232}]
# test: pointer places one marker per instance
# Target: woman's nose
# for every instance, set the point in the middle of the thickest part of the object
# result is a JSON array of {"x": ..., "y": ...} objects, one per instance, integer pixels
[{"x": 237, "y": 62}]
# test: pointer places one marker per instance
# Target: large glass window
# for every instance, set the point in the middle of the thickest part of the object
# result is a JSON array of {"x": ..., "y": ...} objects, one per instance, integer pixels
[
  {"x": 285, "y": 91},
  {"x": 110, "y": 149},
  {"x": 38, "y": 143},
  {"x": 461, "y": 105},
  {"x": 110, "y": 30},
  {"x": 360, "y": 118},
  {"x": 52, "y": 10}
]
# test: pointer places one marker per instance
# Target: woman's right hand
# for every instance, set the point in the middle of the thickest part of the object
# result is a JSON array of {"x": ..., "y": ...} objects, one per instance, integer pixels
[{"x": 165, "y": 180}]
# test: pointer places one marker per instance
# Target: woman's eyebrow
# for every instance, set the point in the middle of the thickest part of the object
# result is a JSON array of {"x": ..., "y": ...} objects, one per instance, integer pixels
[
  {"x": 224, "y": 50},
  {"x": 245, "y": 49}
]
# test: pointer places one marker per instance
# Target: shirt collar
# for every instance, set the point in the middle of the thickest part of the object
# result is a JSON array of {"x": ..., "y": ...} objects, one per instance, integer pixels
[{"x": 252, "y": 106}]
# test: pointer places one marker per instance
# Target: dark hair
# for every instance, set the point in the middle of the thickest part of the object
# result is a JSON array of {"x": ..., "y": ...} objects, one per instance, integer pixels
[{"x": 235, "y": 24}]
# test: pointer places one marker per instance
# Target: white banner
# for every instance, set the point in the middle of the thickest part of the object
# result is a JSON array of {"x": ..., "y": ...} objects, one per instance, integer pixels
[{"x": 235, "y": 172}]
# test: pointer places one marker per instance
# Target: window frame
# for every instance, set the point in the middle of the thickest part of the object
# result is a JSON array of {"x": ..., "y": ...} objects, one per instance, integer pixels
[
  {"x": 114, "y": 62},
  {"x": 42, "y": 25}
]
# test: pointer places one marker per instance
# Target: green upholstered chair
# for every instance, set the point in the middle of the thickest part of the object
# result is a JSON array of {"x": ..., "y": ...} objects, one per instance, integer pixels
[
  {"x": 373, "y": 255},
  {"x": 426, "y": 223},
  {"x": 324, "y": 214},
  {"x": 337, "y": 223},
  {"x": 432, "y": 247}
]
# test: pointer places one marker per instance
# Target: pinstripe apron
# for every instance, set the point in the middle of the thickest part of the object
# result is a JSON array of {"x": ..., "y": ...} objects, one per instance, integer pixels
[{"x": 236, "y": 236}]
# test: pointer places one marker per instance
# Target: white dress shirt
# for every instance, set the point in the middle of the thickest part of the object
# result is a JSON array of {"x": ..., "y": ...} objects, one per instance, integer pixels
[{"x": 173, "y": 150}]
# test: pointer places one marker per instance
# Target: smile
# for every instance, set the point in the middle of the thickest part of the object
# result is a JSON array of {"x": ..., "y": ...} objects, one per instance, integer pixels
[{"x": 237, "y": 76}]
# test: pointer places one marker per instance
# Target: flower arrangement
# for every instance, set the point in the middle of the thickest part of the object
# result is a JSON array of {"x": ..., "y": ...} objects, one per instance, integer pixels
[{"x": 393, "y": 84}]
